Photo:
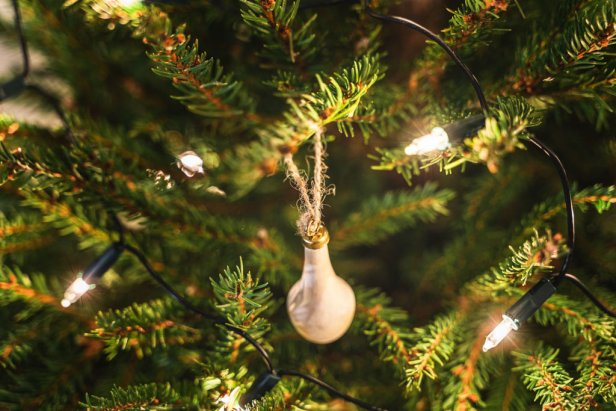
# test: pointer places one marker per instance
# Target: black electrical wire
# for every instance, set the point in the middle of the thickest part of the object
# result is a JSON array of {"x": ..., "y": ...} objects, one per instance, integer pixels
[
  {"x": 22, "y": 40},
  {"x": 434, "y": 37},
  {"x": 562, "y": 174},
  {"x": 579, "y": 284},
  {"x": 191, "y": 307},
  {"x": 334, "y": 392},
  {"x": 17, "y": 84}
]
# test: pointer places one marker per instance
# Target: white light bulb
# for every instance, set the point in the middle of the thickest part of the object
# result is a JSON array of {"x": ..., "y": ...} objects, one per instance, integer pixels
[
  {"x": 228, "y": 400},
  {"x": 128, "y": 3},
  {"x": 190, "y": 163},
  {"x": 499, "y": 333},
  {"x": 74, "y": 292},
  {"x": 436, "y": 140}
]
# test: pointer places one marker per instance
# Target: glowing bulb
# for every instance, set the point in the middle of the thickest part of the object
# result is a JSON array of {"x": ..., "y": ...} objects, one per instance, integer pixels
[
  {"x": 436, "y": 140},
  {"x": 74, "y": 292},
  {"x": 229, "y": 400},
  {"x": 190, "y": 163},
  {"x": 499, "y": 333},
  {"x": 128, "y": 3}
]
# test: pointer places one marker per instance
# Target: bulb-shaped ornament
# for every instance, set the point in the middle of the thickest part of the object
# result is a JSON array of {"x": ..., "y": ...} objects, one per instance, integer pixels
[{"x": 321, "y": 305}]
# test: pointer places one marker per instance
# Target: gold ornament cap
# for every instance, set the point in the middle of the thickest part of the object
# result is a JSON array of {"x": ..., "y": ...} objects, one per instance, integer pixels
[{"x": 318, "y": 240}]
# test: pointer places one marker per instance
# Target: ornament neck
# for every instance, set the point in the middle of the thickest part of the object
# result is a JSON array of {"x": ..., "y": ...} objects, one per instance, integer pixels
[{"x": 317, "y": 265}]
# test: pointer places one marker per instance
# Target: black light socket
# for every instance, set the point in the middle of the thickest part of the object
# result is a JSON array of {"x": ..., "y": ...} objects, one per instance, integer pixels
[
  {"x": 530, "y": 302},
  {"x": 464, "y": 128},
  {"x": 260, "y": 387},
  {"x": 103, "y": 263},
  {"x": 12, "y": 88}
]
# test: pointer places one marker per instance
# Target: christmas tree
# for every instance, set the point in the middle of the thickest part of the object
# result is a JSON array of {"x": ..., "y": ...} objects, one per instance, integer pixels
[{"x": 253, "y": 189}]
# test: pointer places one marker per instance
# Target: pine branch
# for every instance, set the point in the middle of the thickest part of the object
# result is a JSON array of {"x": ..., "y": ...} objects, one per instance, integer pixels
[
  {"x": 383, "y": 216},
  {"x": 241, "y": 300},
  {"x": 287, "y": 45},
  {"x": 545, "y": 376},
  {"x": 205, "y": 89},
  {"x": 337, "y": 97},
  {"x": 599, "y": 196},
  {"x": 463, "y": 391},
  {"x": 383, "y": 325},
  {"x": 144, "y": 328},
  {"x": 31, "y": 289},
  {"x": 435, "y": 344},
  {"x": 595, "y": 365},
  {"x": 137, "y": 397},
  {"x": 578, "y": 318},
  {"x": 534, "y": 256}
]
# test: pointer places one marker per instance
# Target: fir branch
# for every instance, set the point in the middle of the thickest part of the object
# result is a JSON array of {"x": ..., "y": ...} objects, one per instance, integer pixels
[
  {"x": 471, "y": 27},
  {"x": 32, "y": 289},
  {"x": 534, "y": 256},
  {"x": 570, "y": 68},
  {"x": 507, "y": 392},
  {"x": 464, "y": 391},
  {"x": 337, "y": 97},
  {"x": 599, "y": 196},
  {"x": 273, "y": 21},
  {"x": 205, "y": 89},
  {"x": 136, "y": 397},
  {"x": 143, "y": 328},
  {"x": 581, "y": 43},
  {"x": 545, "y": 376},
  {"x": 383, "y": 325},
  {"x": 241, "y": 300},
  {"x": 16, "y": 347},
  {"x": 579, "y": 318},
  {"x": 435, "y": 344},
  {"x": 384, "y": 216},
  {"x": 389, "y": 108},
  {"x": 595, "y": 365}
]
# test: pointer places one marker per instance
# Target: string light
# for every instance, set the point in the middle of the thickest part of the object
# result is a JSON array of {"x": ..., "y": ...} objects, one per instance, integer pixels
[
  {"x": 129, "y": 3},
  {"x": 94, "y": 271},
  {"x": 75, "y": 291},
  {"x": 441, "y": 138},
  {"x": 436, "y": 140},
  {"x": 229, "y": 401},
  {"x": 519, "y": 312}
]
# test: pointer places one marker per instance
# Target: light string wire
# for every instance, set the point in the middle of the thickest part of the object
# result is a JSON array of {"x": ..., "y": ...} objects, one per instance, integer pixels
[{"x": 546, "y": 150}]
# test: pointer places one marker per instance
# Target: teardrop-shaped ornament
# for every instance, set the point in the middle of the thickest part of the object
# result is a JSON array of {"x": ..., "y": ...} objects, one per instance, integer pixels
[{"x": 321, "y": 305}]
